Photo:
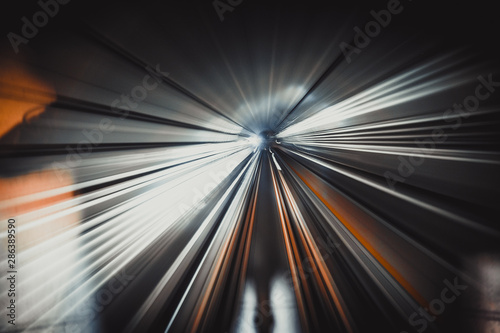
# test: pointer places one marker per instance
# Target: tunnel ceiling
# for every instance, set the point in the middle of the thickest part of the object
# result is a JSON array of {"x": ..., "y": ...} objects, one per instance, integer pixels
[{"x": 259, "y": 65}]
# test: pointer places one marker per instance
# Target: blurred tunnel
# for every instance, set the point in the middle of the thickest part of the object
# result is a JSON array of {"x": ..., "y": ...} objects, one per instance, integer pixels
[{"x": 249, "y": 166}]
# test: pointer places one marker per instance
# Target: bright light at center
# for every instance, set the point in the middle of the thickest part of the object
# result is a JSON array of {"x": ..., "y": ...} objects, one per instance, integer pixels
[{"x": 255, "y": 140}]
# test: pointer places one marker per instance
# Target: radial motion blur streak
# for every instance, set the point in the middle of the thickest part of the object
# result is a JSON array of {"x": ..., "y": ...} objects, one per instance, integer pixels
[{"x": 249, "y": 166}]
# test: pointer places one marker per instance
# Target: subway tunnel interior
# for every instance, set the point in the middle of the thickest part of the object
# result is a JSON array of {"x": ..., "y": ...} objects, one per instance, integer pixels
[{"x": 249, "y": 166}]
